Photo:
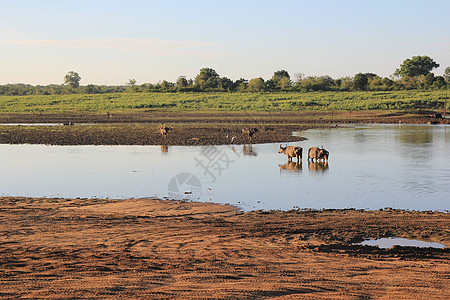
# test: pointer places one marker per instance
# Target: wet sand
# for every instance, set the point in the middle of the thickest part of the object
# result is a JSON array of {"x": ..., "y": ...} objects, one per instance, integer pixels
[{"x": 160, "y": 249}]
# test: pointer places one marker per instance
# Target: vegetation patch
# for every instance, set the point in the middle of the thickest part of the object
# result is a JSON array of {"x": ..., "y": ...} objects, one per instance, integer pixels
[{"x": 222, "y": 101}]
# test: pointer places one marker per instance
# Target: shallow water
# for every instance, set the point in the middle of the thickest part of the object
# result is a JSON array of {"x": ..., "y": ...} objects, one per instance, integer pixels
[
  {"x": 391, "y": 242},
  {"x": 370, "y": 167}
]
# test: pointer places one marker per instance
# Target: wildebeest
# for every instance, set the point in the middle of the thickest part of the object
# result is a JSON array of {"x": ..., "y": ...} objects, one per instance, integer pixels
[
  {"x": 316, "y": 153},
  {"x": 249, "y": 132},
  {"x": 164, "y": 130},
  {"x": 292, "y": 151}
]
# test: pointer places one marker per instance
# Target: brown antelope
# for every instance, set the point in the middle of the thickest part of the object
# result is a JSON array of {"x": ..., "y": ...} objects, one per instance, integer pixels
[
  {"x": 249, "y": 132},
  {"x": 164, "y": 130},
  {"x": 292, "y": 151}
]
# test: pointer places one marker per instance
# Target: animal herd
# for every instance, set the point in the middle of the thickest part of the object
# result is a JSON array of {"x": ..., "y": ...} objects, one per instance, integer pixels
[
  {"x": 247, "y": 133},
  {"x": 314, "y": 154}
]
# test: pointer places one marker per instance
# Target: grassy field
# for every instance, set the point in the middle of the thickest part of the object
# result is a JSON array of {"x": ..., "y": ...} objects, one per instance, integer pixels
[{"x": 271, "y": 102}]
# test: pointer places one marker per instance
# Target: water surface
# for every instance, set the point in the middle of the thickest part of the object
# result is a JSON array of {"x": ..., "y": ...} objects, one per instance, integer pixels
[
  {"x": 370, "y": 167},
  {"x": 391, "y": 242}
]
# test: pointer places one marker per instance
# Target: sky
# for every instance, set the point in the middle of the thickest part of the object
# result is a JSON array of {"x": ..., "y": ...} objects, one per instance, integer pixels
[{"x": 109, "y": 42}]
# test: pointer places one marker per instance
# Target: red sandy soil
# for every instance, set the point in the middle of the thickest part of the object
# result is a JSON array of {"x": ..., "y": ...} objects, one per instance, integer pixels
[{"x": 156, "y": 249}]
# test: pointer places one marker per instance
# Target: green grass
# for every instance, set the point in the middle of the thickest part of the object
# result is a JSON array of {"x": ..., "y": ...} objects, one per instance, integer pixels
[{"x": 272, "y": 102}]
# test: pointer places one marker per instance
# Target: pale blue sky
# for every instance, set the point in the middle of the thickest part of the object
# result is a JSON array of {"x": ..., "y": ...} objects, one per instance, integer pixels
[{"x": 110, "y": 42}]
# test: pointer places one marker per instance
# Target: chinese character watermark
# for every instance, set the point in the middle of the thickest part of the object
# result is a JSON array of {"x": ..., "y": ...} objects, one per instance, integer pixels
[
  {"x": 213, "y": 161},
  {"x": 184, "y": 186}
]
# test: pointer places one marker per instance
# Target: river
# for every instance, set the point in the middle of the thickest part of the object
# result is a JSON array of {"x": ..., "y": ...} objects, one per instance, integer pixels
[{"x": 370, "y": 167}]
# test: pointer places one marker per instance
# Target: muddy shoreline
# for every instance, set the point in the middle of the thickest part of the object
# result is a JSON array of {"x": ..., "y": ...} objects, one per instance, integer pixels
[
  {"x": 147, "y": 134},
  {"x": 160, "y": 249},
  {"x": 187, "y": 128}
]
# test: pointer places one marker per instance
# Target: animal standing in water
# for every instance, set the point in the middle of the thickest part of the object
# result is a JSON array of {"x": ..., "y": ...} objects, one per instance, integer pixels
[
  {"x": 318, "y": 154},
  {"x": 291, "y": 152}
]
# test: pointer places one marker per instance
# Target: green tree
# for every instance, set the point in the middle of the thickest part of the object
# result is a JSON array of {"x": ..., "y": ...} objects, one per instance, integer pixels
[
  {"x": 278, "y": 75},
  {"x": 417, "y": 65},
  {"x": 360, "y": 82},
  {"x": 72, "y": 79},
  {"x": 225, "y": 84},
  {"x": 91, "y": 89},
  {"x": 447, "y": 74},
  {"x": 256, "y": 85},
  {"x": 387, "y": 83},
  {"x": 182, "y": 82},
  {"x": 132, "y": 85},
  {"x": 207, "y": 78},
  {"x": 270, "y": 85},
  {"x": 281, "y": 79},
  {"x": 284, "y": 83},
  {"x": 429, "y": 79},
  {"x": 165, "y": 85},
  {"x": 439, "y": 82},
  {"x": 314, "y": 83},
  {"x": 240, "y": 84}
]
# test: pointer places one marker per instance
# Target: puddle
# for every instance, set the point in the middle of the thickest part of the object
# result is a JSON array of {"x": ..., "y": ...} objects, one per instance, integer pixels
[{"x": 386, "y": 243}]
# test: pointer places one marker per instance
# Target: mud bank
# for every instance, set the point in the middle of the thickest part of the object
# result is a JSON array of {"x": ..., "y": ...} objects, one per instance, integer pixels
[
  {"x": 186, "y": 128},
  {"x": 146, "y": 134}
]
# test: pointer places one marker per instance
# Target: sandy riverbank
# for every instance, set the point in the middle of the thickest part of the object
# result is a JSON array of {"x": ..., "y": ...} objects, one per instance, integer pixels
[{"x": 144, "y": 248}]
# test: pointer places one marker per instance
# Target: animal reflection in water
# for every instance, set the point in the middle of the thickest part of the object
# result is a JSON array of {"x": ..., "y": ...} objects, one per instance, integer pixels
[
  {"x": 291, "y": 167},
  {"x": 247, "y": 149},
  {"x": 320, "y": 167},
  {"x": 164, "y": 148}
]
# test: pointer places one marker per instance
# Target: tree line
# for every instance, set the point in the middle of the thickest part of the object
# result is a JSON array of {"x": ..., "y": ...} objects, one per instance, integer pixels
[{"x": 413, "y": 74}]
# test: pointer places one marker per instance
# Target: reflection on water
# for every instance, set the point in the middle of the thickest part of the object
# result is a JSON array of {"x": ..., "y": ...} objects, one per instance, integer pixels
[
  {"x": 291, "y": 166},
  {"x": 415, "y": 138},
  {"x": 319, "y": 167},
  {"x": 247, "y": 149},
  {"x": 164, "y": 148},
  {"x": 373, "y": 166}
]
